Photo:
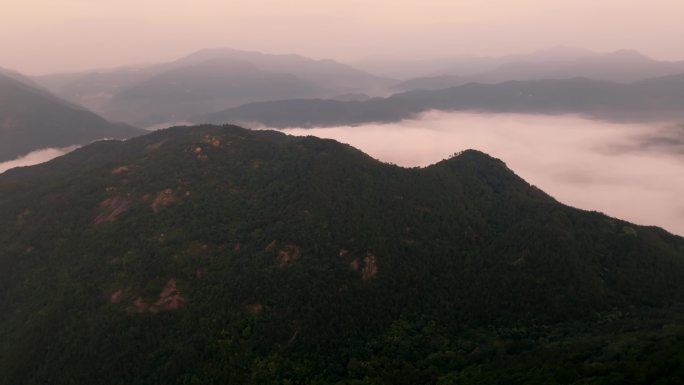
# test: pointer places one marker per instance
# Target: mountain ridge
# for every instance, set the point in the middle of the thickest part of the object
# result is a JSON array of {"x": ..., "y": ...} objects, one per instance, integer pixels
[
  {"x": 32, "y": 119},
  {"x": 651, "y": 100},
  {"x": 117, "y": 93},
  {"x": 253, "y": 257}
]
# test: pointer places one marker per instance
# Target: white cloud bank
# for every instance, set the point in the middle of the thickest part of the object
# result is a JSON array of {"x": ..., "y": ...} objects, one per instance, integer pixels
[
  {"x": 36, "y": 157},
  {"x": 631, "y": 171}
]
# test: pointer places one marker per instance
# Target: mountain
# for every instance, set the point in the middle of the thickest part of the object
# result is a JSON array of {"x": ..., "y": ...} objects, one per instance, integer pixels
[
  {"x": 207, "y": 81},
  {"x": 326, "y": 73},
  {"x": 652, "y": 100},
  {"x": 18, "y": 77},
  {"x": 464, "y": 65},
  {"x": 625, "y": 66},
  {"x": 209, "y": 86},
  {"x": 94, "y": 89},
  {"x": 32, "y": 119},
  {"x": 222, "y": 255}
]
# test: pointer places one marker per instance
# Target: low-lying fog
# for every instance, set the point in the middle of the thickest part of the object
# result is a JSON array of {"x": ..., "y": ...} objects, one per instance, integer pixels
[
  {"x": 35, "y": 157},
  {"x": 631, "y": 171}
]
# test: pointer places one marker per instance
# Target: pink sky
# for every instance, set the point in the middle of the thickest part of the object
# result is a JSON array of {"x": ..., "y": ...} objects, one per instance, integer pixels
[{"x": 40, "y": 36}]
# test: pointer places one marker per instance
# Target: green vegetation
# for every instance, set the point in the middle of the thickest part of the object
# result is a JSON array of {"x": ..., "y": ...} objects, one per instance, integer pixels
[{"x": 218, "y": 255}]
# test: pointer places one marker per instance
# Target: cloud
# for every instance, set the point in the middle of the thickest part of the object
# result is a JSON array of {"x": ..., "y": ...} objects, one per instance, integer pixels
[
  {"x": 36, "y": 157},
  {"x": 631, "y": 171}
]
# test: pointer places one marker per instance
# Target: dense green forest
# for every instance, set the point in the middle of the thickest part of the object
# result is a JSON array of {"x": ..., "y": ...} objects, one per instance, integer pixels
[{"x": 218, "y": 255}]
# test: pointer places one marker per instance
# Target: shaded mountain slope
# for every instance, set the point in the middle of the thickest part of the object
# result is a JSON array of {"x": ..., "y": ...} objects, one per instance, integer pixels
[
  {"x": 207, "y": 81},
  {"x": 178, "y": 93},
  {"x": 326, "y": 73},
  {"x": 222, "y": 255},
  {"x": 625, "y": 66},
  {"x": 31, "y": 119},
  {"x": 653, "y": 100}
]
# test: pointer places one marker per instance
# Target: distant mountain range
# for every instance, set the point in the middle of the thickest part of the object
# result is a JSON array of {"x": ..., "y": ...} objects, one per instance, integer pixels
[
  {"x": 651, "y": 100},
  {"x": 625, "y": 66},
  {"x": 207, "y": 81},
  {"x": 223, "y": 255},
  {"x": 31, "y": 118},
  {"x": 214, "y": 80}
]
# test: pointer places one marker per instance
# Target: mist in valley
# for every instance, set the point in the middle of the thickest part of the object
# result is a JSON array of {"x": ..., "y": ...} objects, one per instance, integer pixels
[
  {"x": 629, "y": 171},
  {"x": 36, "y": 157}
]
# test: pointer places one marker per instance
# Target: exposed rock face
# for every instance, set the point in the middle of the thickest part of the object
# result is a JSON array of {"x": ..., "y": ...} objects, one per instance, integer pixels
[
  {"x": 112, "y": 208},
  {"x": 120, "y": 170},
  {"x": 169, "y": 299},
  {"x": 288, "y": 254},
  {"x": 117, "y": 296},
  {"x": 370, "y": 267},
  {"x": 254, "y": 308},
  {"x": 162, "y": 199},
  {"x": 354, "y": 265}
]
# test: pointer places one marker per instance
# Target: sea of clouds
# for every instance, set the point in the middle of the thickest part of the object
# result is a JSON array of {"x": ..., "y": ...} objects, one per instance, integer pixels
[
  {"x": 36, "y": 157},
  {"x": 631, "y": 171}
]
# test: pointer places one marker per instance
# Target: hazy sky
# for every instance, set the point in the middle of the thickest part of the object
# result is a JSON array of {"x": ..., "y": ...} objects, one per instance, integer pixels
[{"x": 39, "y": 36}]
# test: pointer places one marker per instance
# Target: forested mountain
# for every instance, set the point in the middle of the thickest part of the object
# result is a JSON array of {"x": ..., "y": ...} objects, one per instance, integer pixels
[
  {"x": 652, "y": 100},
  {"x": 31, "y": 119},
  {"x": 625, "y": 66},
  {"x": 207, "y": 81},
  {"x": 222, "y": 255}
]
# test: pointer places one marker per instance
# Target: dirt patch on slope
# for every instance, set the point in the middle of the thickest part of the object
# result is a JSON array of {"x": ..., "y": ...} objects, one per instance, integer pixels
[
  {"x": 169, "y": 299},
  {"x": 254, "y": 308},
  {"x": 116, "y": 296},
  {"x": 112, "y": 208},
  {"x": 121, "y": 170},
  {"x": 288, "y": 254},
  {"x": 162, "y": 199},
  {"x": 370, "y": 267},
  {"x": 211, "y": 140}
]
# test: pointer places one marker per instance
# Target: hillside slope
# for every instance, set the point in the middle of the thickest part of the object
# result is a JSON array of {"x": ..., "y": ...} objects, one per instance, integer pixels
[
  {"x": 31, "y": 119},
  {"x": 223, "y": 255},
  {"x": 206, "y": 81},
  {"x": 652, "y": 100},
  {"x": 625, "y": 66}
]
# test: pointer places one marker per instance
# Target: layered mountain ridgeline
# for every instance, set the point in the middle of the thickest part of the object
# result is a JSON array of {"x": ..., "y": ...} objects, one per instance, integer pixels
[
  {"x": 179, "y": 93},
  {"x": 624, "y": 66},
  {"x": 223, "y": 255},
  {"x": 652, "y": 100},
  {"x": 32, "y": 119},
  {"x": 207, "y": 81}
]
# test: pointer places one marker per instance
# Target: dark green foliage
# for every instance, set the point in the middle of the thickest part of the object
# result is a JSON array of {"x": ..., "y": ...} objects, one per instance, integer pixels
[{"x": 304, "y": 261}]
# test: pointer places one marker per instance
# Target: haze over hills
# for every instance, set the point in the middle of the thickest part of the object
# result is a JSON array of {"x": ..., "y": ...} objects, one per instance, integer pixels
[
  {"x": 219, "y": 254},
  {"x": 207, "y": 81},
  {"x": 179, "y": 93},
  {"x": 32, "y": 119},
  {"x": 651, "y": 100},
  {"x": 625, "y": 66},
  {"x": 213, "y": 80},
  {"x": 464, "y": 65}
]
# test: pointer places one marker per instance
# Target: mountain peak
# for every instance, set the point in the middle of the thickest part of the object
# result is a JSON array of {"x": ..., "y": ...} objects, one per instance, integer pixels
[
  {"x": 630, "y": 54},
  {"x": 305, "y": 252}
]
